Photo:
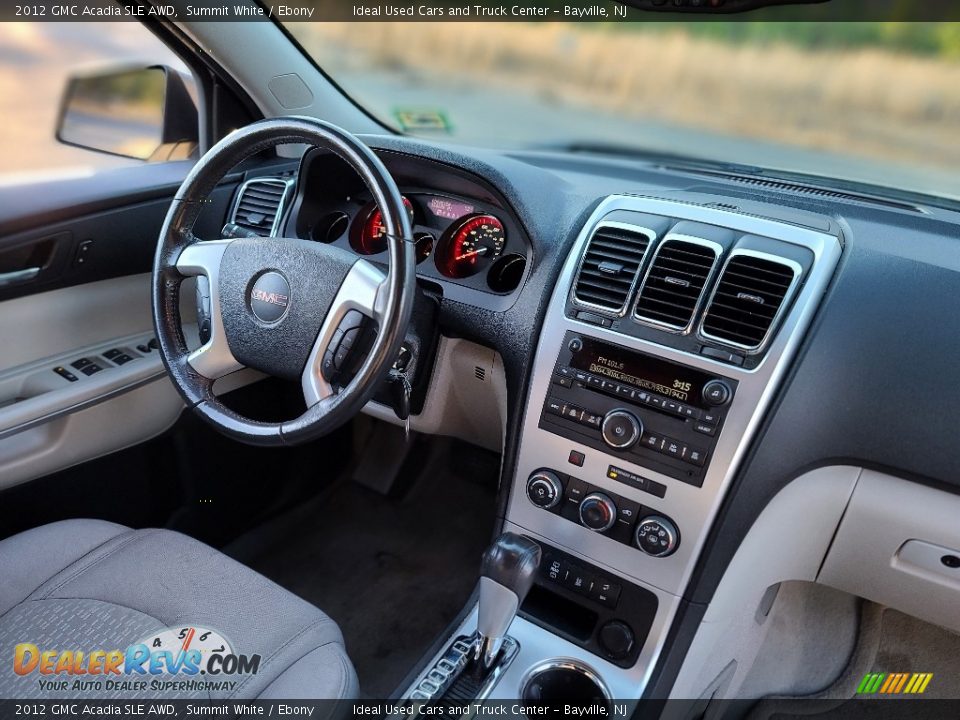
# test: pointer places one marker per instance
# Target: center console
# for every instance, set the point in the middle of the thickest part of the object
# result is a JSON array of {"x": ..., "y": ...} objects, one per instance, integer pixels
[{"x": 665, "y": 338}]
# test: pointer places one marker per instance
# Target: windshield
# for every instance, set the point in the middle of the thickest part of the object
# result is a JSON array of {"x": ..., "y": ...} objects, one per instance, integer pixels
[{"x": 872, "y": 102}]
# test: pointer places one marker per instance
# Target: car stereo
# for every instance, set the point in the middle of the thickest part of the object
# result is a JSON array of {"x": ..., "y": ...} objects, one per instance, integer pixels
[{"x": 646, "y": 410}]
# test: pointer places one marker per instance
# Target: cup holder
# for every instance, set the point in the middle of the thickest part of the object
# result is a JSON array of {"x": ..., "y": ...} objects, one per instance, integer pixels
[{"x": 565, "y": 681}]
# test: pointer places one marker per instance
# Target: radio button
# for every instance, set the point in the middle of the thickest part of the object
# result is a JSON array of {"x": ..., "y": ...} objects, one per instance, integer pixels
[
  {"x": 572, "y": 412},
  {"x": 595, "y": 382},
  {"x": 656, "y": 401},
  {"x": 555, "y": 406},
  {"x": 624, "y": 391},
  {"x": 711, "y": 417},
  {"x": 641, "y": 396},
  {"x": 651, "y": 441},
  {"x": 689, "y": 412},
  {"x": 621, "y": 429},
  {"x": 671, "y": 406},
  {"x": 563, "y": 381},
  {"x": 705, "y": 428},
  {"x": 565, "y": 371},
  {"x": 591, "y": 420}
]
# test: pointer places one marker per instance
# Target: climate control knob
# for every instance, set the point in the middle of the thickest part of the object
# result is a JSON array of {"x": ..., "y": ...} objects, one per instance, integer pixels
[
  {"x": 657, "y": 536},
  {"x": 598, "y": 512},
  {"x": 621, "y": 429},
  {"x": 544, "y": 489}
]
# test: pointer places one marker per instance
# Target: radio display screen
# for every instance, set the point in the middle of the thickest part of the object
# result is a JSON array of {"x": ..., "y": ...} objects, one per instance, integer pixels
[{"x": 677, "y": 382}]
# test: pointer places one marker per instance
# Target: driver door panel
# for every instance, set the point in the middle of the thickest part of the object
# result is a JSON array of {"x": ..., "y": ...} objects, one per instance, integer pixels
[{"x": 92, "y": 242}]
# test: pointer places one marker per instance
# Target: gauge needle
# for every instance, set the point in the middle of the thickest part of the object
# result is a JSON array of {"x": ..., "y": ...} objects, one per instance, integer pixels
[{"x": 478, "y": 251}]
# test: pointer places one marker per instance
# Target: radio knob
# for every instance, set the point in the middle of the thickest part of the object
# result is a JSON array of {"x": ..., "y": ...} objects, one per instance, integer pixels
[
  {"x": 544, "y": 489},
  {"x": 621, "y": 429},
  {"x": 598, "y": 512},
  {"x": 657, "y": 536},
  {"x": 716, "y": 393}
]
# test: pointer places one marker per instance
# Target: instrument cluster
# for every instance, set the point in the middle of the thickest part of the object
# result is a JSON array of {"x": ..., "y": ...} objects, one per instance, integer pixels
[{"x": 457, "y": 239}]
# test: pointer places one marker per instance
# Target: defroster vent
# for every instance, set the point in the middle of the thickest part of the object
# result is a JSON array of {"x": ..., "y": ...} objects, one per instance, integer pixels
[
  {"x": 675, "y": 283},
  {"x": 609, "y": 268},
  {"x": 747, "y": 300}
]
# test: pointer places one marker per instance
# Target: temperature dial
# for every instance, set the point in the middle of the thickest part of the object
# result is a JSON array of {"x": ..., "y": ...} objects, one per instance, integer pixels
[{"x": 598, "y": 512}]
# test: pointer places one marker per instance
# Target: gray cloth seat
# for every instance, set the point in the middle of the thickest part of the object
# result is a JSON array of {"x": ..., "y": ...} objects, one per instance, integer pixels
[{"x": 93, "y": 585}]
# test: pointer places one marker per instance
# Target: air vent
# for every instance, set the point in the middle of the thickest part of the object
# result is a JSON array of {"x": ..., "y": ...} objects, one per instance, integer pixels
[
  {"x": 260, "y": 204},
  {"x": 747, "y": 300},
  {"x": 675, "y": 282},
  {"x": 609, "y": 268}
]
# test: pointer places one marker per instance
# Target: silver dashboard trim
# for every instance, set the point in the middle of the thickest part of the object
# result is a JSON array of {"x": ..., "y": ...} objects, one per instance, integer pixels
[
  {"x": 288, "y": 185},
  {"x": 652, "y": 239},
  {"x": 784, "y": 305},
  {"x": 693, "y": 509},
  {"x": 698, "y": 306}
]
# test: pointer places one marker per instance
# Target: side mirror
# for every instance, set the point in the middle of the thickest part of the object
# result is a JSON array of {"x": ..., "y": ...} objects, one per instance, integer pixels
[{"x": 145, "y": 113}]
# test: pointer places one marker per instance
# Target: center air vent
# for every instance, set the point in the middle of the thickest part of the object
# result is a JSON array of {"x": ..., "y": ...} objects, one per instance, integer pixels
[
  {"x": 609, "y": 268},
  {"x": 748, "y": 297},
  {"x": 260, "y": 204},
  {"x": 675, "y": 283}
]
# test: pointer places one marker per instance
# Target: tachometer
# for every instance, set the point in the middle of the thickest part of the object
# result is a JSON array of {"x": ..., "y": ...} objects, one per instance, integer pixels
[
  {"x": 369, "y": 237},
  {"x": 469, "y": 245}
]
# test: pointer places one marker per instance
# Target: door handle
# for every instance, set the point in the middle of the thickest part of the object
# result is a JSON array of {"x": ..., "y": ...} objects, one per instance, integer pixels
[{"x": 9, "y": 278}]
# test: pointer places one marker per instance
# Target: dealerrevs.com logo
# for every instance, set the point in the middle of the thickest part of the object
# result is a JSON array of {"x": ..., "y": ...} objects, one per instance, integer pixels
[{"x": 172, "y": 660}]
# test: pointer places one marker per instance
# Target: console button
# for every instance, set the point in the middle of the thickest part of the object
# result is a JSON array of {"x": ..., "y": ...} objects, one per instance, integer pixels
[
  {"x": 606, "y": 593},
  {"x": 576, "y": 490},
  {"x": 616, "y": 639},
  {"x": 545, "y": 489},
  {"x": 716, "y": 393},
  {"x": 657, "y": 536},
  {"x": 621, "y": 429},
  {"x": 565, "y": 371},
  {"x": 673, "y": 448},
  {"x": 627, "y": 512},
  {"x": 598, "y": 512},
  {"x": 576, "y": 458},
  {"x": 711, "y": 417},
  {"x": 563, "y": 381}
]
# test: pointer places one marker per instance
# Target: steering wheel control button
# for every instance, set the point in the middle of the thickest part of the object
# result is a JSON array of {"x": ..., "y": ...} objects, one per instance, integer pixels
[
  {"x": 657, "y": 536},
  {"x": 616, "y": 639},
  {"x": 545, "y": 489},
  {"x": 621, "y": 429},
  {"x": 269, "y": 297},
  {"x": 717, "y": 393},
  {"x": 598, "y": 512}
]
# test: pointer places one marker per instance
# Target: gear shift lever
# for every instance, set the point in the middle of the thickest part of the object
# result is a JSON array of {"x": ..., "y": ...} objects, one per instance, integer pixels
[{"x": 506, "y": 576}]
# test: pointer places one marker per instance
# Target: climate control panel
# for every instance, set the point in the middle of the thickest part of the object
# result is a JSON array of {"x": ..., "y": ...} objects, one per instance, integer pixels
[{"x": 604, "y": 512}]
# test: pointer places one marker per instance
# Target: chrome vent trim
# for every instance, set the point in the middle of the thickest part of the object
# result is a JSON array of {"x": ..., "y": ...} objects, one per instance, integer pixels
[
  {"x": 749, "y": 287},
  {"x": 260, "y": 204},
  {"x": 610, "y": 266},
  {"x": 678, "y": 277}
]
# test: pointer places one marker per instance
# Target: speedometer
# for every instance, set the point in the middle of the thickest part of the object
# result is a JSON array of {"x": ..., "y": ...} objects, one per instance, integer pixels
[{"x": 469, "y": 245}]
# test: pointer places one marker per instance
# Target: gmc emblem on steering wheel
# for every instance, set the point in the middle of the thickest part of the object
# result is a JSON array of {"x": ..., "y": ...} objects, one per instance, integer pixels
[{"x": 270, "y": 297}]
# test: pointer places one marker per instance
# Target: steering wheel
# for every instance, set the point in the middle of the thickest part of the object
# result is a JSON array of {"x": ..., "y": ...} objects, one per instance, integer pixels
[{"x": 284, "y": 306}]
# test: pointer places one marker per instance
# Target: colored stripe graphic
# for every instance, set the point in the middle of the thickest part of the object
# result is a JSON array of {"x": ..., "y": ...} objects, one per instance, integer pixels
[{"x": 894, "y": 683}]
